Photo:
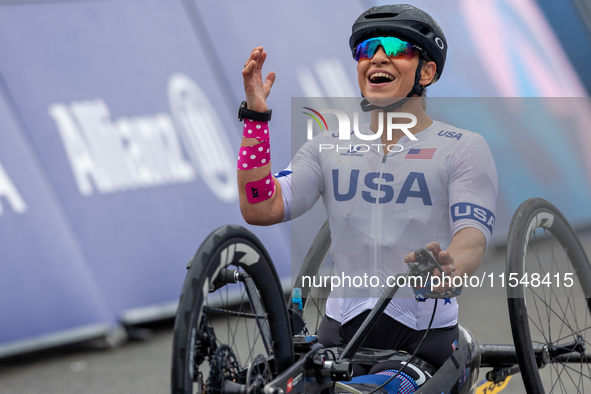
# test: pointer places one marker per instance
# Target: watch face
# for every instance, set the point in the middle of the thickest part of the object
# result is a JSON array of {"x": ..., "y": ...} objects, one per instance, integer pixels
[{"x": 242, "y": 106}]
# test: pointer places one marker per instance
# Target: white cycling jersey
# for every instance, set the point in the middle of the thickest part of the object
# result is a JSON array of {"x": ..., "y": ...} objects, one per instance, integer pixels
[{"x": 382, "y": 207}]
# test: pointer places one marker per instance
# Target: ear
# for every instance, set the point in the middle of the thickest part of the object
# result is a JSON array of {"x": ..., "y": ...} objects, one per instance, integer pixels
[{"x": 427, "y": 73}]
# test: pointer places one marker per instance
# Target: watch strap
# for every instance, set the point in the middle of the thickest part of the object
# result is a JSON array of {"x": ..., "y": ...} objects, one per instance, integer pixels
[{"x": 244, "y": 112}]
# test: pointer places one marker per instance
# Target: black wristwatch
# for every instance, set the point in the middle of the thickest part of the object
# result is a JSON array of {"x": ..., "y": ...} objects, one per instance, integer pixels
[{"x": 243, "y": 112}]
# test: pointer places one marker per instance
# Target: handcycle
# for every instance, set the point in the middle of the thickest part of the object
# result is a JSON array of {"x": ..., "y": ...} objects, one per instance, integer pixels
[{"x": 233, "y": 330}]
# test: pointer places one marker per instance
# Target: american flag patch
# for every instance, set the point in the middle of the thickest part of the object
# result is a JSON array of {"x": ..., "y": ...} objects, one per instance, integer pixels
[
  {"x": 425, "y": 153},
  {"x": 454, "y": 345}
]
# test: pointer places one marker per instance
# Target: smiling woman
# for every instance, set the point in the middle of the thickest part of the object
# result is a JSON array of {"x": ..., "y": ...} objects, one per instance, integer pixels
[
  {"x": 381, "y": 205},
  {"x": 400, "y": 33}
]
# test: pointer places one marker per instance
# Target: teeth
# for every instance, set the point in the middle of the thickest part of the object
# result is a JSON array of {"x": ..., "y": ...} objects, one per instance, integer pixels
[{"x": 383, "y": 75}]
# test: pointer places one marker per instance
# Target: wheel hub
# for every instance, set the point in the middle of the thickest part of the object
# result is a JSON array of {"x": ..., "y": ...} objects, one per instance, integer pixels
[
  {"x": 258, "y": 374},
  {"x": 577, "y": 346}
]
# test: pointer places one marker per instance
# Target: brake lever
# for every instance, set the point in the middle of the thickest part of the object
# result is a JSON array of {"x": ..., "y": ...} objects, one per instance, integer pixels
[{"x": 426, "y": 264}]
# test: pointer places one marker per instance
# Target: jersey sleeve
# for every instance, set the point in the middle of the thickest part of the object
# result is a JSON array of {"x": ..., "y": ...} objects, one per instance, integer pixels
[
  {"x": 473, "y": 186},
  {"x": 301, "y": 182}
]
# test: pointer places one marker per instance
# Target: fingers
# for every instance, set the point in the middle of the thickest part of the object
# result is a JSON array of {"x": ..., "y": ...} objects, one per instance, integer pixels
[
  {"x": 255, "y": 53},
  {"x": 434, "y": 247},
  {"x": 447, "y": 263},
  {"x": 261, "y": 59},
  {"x": 249, "y": 67},
  {"x": 269, "y": 81},
  {"x": 442, "y": 256},
  {"x": 410, "y": 258},
  {"x": 258, "y": 55},
  {"x": 252, "y": 63}
]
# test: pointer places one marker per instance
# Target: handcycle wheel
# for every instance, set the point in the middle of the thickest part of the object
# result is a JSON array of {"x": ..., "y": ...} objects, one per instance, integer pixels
[
  {"x": 550, "y": 321},
  {"x": 231, "y": 315}
]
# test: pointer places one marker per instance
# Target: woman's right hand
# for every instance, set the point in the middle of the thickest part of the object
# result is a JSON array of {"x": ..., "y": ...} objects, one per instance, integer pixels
[{"x": 256, "y": 90}]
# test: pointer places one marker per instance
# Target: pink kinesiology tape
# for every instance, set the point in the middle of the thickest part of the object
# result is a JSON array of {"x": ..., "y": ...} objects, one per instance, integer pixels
[
  {"x": 260, "y": 190},
  {"x": 256, "y": 129},
  {"x": 255, "y": 156}
]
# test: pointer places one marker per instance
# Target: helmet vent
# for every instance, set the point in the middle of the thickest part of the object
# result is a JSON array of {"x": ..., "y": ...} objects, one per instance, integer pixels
[
  {"x": 381, "y": 15},
  {"x": 425, "y": 31}
]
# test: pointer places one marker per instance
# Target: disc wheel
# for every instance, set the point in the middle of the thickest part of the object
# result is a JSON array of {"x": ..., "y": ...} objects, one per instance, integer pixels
[
  {"x": 232, "y": 300},
  {"x": 548, "y": 279}
]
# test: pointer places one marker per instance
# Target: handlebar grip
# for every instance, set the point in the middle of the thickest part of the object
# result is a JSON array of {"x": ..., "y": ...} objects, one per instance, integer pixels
[{"x": 426, "y": 264}]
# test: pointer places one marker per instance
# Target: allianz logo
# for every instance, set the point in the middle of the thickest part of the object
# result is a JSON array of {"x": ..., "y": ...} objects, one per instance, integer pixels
[{"x": 115, "y": 155}]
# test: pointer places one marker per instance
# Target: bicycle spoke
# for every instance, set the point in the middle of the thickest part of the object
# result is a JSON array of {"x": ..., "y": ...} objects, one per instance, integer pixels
[
  {"x": 250, "y": 346},
  {"x": 557, "y": 315},
  {"x": 574, "y": 332},
  {"x": 588, "y": 376},
  {"x": 558, "y": 380},
  {"x": 540, "y": 321}
]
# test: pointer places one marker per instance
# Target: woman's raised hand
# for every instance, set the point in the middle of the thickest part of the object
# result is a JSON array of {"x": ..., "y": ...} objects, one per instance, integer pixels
[{"x": 256, "y": 90}]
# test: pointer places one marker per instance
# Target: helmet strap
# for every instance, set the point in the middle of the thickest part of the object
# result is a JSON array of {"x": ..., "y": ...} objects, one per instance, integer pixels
[{"x": 417, "y": 89}]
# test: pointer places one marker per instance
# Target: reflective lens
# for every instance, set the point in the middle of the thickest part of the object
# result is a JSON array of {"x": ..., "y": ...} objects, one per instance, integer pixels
[{"x": 394, "y": 47}]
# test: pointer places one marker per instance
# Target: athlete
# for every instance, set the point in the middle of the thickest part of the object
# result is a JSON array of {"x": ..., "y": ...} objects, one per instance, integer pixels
[{"x": 438, "y": 191}]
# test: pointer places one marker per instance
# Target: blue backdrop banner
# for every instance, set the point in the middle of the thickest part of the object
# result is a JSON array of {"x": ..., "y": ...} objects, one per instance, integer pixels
[{"x": 119, "y": 138}]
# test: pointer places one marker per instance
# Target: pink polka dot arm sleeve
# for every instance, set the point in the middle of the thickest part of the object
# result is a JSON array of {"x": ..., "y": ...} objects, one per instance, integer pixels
[
  {"x": 255, "y": 156},
  {"x": 256, "y": 129}
]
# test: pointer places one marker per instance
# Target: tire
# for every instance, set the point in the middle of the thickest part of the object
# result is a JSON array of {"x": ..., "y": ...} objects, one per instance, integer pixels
[
  {"x": 201, "y": 363},
  {"x": 547, "y": 316}
]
